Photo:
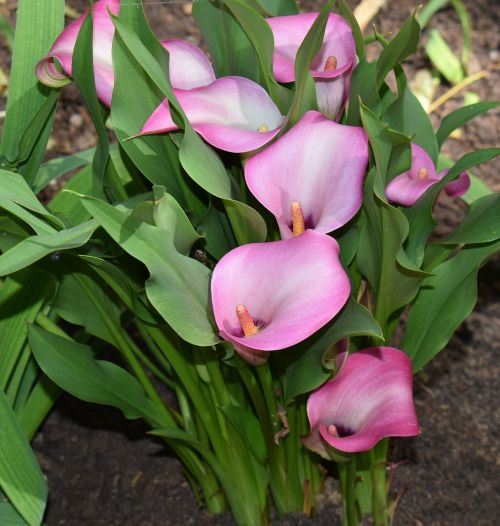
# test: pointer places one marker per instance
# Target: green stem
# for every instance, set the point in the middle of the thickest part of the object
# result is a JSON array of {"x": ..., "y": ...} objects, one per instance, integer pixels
[
  {"x": 347, "y": 475},
  {"x": 378, "y": 457}
]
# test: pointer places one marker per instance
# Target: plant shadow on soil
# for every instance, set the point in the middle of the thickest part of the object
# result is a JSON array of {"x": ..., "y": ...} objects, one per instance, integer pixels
[{"x": 103, "y": 471}]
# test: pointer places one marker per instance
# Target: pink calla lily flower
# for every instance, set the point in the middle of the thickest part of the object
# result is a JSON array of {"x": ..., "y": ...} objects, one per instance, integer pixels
[
  {"x": 188, "y": 67},
  {"x": 370, "y": 398},
  {"x": 319, "y": 165},
  {"x": 269, "y": 296},
  {"x": 407, "y": 188},
  {"x": 233, "y": 114},
  {"x": 332, "y": 66}
]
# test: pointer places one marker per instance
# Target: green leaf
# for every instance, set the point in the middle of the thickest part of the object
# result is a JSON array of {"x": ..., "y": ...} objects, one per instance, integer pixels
[
  {"x": 280, "y": 7},
  {"x": 444, "y": 301},
  {"x": 443, "y": 58},
  {"x": 347, "y": 13},
  {"x": 72, "y": 367},
  {"x": 260, "y": 35},
  {"x": 306, "y": 372},
  {"x": 21, "y": 479},
  {"x": 362, "y": 89},
  {"x": 429, "y": 10},
  {"x": 9, "y": 516},
  {"x": 406, "y": 115},
  {"x": 55, "y": 168},
  {"x": 481, "y": 224},
  {"x": 459, "y": 117},
  {"x": 178, "y": 286},
  {"x": 22, "y": 295},
  {"x": 37, "y": 26},
  {"x": 248, "y": 427},
  {"x": 34, "y": 248},
  {"x": 17, "y": 197},
  {"x": 401, "y": 46},
  {"x": 230, "y": 48}
]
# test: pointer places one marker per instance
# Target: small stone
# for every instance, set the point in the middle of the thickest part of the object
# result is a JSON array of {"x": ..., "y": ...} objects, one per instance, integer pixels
[{"x": 76, "y": 120}]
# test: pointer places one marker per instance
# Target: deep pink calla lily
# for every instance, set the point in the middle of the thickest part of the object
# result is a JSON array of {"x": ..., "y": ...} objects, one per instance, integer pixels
[
  {"x": 318, "y": 164},
  {"x": 269, "y": 296},
  {"x": 232, "y": 113},
  {"x": 369, "y": 399},
  {"x": 188, "y": 67},
  {"x": 408, "y": 187},
  {"x": 332, "y": 66}
]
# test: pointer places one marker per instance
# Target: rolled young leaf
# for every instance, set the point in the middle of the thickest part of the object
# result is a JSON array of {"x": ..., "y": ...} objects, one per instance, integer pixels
[{"x": 370, "y": 398}]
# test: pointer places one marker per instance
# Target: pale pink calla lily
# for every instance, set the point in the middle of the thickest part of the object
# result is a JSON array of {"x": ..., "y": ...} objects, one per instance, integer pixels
[
  {"x": 370, "y": 398},
  {"x": 188, "y": 67},
  {"x": 232, "y": 113},
  {"x": 320, "y": 165},
  {"x": 289, "y": 289},
  {"x": 407, "y": 188},
  {"x": 332, "y": 66}
]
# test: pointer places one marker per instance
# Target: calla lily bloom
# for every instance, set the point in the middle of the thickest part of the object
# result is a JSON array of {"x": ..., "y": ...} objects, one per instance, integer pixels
[
  {"x": 332, "y": 66},
  {"x": 408, "y": 187},
  {"x": 188, "y": 67},
  {"x": 311, "y": 177},
  {"x": 370, "y": 398},
  {"x": 232, "y": 113},
  {"x": 269, "y": 296}
]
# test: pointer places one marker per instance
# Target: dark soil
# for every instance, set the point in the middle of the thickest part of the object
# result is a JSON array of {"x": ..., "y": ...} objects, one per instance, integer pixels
[{"x": 103, "y": 471}]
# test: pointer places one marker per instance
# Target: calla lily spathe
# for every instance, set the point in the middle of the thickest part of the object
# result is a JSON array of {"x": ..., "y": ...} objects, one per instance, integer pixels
[
  {"x": 188, "y": 66},
  {"x": 232, "y": 113},
  {"x": 286, "y": 289},
  {"x": 370, "y": 398},
  {"x": 332, "y": 66},
  {"x": 320, "y": 165},
  {"x": 407, "y": 188}
]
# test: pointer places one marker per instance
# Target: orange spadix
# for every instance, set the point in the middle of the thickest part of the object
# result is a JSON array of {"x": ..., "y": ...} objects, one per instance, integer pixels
[
  {"x": 331, "y": 63},
  {"x": 246, "y": 321},
  {"x": 332, "y": 430},
  {"x": 263, "y": 128},
  {"x": 423, "y": 174},
  {"x": 298, "y": 223}
]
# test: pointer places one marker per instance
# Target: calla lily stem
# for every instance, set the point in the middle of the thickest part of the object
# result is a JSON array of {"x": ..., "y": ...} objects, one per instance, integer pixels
[{"x": 347, "y": 476}]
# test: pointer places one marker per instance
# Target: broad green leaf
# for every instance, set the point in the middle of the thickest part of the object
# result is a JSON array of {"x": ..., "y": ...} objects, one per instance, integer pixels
[
  {"x": 230, "y": 48},
  {"x": 401, "y": 46},
  {"x": 9, "y": 516},
  {"x": 362, "y": 89},
  {"x": 477, "y": 189},
  {"x": 305, "y": 371},
  {"x": 466, "y": 23},
  {"x": 429, "y": 10},
  {"x": 34, "y": 248},
  {"x": 459, "y": 117},
  {"x": 443, "y": 58},
  {"x": 178, "y": 286},
  {"x": 22, "y": 295},
  {"x": 481, "y": 224},
  {"x": 444, "y": 301},
  {"x": 420, "y": 214},
  {"x": 21, "y": 479},
  {"x": 406, "y": 115},
  {"x": 74, "y": 369},
  {"x": 280, "y": 7},
  {"x": 169, "y": 215},
  {"x": 304, "y": 98},
  {"x": 14, "y": 190},
  {"x": 37, "y": 25},
  {"x": 249, "y": 428},
  {"x": 83, "y": 300},
  {"x": 217, "y": 231},
  {"x": 55, "y": 168}
]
